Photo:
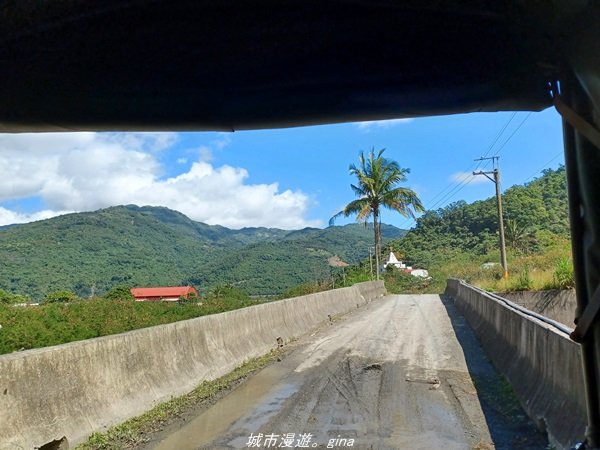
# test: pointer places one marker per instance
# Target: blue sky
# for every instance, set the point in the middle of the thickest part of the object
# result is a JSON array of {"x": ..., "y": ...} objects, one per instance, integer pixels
[{"x": 287, "y": 178}]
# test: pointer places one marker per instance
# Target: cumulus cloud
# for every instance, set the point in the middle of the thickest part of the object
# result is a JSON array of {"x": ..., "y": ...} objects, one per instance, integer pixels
[
  {"x": 8, "y": 217},
  {"x": 144, "y": 141},
  {"x": 467, "y": 177},
  {"x": 380, "y": 124},
  {"x": 87, "y": 171}
]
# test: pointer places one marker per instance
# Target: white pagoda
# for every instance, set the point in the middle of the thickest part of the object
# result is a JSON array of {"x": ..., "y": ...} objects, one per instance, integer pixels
[{"x": 393, "y": 261}]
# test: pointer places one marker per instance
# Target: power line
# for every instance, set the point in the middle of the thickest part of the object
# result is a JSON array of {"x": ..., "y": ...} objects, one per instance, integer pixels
[
  {"x": 499, "y": 134},
  {"x": 467, "y": 175},
  {"x": 543, "y": 167},
  {"x": 459, "y": 185},
  {"x": 513, "y": 133},
  {"x": 468, "y": 178}
]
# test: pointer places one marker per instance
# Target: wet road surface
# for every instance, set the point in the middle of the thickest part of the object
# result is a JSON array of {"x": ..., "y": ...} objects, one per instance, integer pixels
[{"x": 391, "y": 375}]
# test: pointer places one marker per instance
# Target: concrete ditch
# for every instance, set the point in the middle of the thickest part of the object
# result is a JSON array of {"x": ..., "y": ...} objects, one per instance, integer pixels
[
  {"x": 559, "y": 305},
  {"x": 540, "y": 361},
  {"x": 70, "y": 391}
]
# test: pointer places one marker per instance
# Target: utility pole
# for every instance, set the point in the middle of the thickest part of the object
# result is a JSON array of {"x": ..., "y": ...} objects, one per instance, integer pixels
[
  {"x": 371, "y": 260},
  {"x": 496, "y": 181}
]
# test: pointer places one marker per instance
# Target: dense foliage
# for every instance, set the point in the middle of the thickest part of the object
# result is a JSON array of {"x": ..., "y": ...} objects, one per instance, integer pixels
[
  {"x": 535, "y": 208},
  {"x": 60, "y": 322},
  {"x": 459, "y": 239},
  {"x": 7, "y": 298},
  {"x": 92, "y": 253}
]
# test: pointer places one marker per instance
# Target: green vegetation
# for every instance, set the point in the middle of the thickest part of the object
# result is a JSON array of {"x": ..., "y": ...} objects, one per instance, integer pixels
[
  {"x": 398, "y": 282},
  {"x": 524, "y": 281},
  {"x": 119, "y": 293},
  {"x": 91, "y": 253},
  {"x": 60, "y": 297},
  {"x": 461, "y": 240},
  {"x": 271, "y": 268},
  {"x": 7, "y": 298},
  {"x": 456, "y": 241},
  {"x": 133, "y": 432},
  {"x": 377, "y": 188},
  {"x": 564, "y": 276},
  {"x": 60, "y": 322},
  {"x": 67, "y": 319}
]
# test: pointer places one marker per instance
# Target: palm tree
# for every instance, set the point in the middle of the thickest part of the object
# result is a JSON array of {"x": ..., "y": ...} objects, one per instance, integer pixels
[
  {"x": 519, "y": 237},
  {"x": 377, "y": 187}
]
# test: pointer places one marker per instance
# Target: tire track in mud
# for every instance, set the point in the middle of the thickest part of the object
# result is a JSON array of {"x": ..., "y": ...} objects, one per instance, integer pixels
[{"x": 391, "y": 375}]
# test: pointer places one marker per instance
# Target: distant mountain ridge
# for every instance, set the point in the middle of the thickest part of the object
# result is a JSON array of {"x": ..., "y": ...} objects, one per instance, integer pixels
[{"x": 91, "y": 252}]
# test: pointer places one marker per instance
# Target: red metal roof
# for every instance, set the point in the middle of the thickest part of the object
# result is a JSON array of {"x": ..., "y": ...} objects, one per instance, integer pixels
[{"x": 174, "y": 291}]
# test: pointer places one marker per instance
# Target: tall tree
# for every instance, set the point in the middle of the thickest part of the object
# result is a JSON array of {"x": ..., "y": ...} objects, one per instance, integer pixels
[{"x": 378, "y": 187}]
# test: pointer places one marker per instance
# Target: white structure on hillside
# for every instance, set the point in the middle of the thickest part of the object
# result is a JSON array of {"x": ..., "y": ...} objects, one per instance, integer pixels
[{"x": 393, "y": 261}]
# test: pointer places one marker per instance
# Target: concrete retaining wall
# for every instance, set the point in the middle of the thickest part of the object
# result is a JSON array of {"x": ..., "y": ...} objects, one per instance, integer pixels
[
  {"x": 554, "y": 304},
  {"x": 542, "y": 364},
  {"x": 78, "y": 388}
]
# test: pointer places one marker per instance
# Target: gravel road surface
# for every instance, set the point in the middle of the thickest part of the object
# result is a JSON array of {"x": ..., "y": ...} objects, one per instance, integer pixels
[{"x": 391, "y": 375}]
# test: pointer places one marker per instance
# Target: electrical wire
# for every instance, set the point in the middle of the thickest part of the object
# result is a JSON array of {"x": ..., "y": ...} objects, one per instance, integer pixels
[
  {"x": 543, "y": 167},
  {"x": 467, "y": 177},
  {"x": 513, "y": 133}
]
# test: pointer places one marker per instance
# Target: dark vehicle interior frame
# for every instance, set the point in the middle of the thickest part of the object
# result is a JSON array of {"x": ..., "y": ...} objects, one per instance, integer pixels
[{"x": 72, "y": 65}]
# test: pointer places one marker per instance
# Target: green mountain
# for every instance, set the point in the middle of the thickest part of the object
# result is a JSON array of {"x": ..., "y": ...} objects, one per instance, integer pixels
[
  {"x": 302, "y": 256},
  {"x": 534, "y": 214},
  {"x": 91, "y": 252}
]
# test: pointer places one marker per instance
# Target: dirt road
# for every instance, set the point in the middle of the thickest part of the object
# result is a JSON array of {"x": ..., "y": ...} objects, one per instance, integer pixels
[{"x": 391, "y": 375}]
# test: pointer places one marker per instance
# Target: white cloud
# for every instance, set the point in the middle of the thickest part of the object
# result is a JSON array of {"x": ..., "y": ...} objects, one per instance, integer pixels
[
  {"x": 8, "y": 217},
  {"x": 380, "y": 124},
  {"x": 468, "y": 177},
  {"x": 182, "y": 160},
  {"x": 144, "y": 141},
  {"x": 205, "y": 153},
  {"x": 87, "y": 171},
  {"x": 223, "y": 141}
]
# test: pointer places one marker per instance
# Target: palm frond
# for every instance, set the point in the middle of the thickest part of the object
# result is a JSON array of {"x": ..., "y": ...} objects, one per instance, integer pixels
[
  {"x": 358, "y": 190},
  {"x": 354, "y": 207},
  {"x": 377, "y": 186}
]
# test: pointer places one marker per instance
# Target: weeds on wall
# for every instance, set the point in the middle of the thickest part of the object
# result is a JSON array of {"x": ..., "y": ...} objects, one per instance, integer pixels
[
  {"x": 523, "y": 281},
  {"x": 564, "y": 276}
]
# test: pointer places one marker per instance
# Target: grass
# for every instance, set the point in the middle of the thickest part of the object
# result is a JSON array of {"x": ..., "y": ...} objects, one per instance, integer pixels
[
  {"x": 551, "y": 269},
  {"x": 25, "y": 328},
  {"x": 134, "y": 431},
  {"x": 57, "y": 323}
]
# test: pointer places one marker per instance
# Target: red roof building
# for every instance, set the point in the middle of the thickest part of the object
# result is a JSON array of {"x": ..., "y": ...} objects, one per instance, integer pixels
[{"x": 166, "y": 294}]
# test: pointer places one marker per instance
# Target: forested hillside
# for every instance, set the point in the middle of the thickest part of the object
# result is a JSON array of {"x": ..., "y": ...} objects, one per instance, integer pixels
[
  {"x": 267, "y": 267},
  {"x": 89, "y": 253},
  {"x": 457, "y": 239},
  {"x": 532, "y": 212}
]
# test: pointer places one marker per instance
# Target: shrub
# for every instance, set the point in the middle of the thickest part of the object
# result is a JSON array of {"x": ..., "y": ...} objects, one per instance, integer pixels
[
  {"x": 300, "y": 290},
  {"x": 119, "y": 293},
  {"x": 8, "y": 298},
  {"x": 564, "y": 277},
  {"x": 60, "y": 297},
  {"x": 57, "y": 323},
  {"x": 523, "y": 281},
  {"x": 398, "y": 282}
]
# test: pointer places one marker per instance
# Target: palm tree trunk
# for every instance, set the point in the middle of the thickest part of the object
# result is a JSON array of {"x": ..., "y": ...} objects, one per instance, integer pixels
[{"x": 377, "y": 239}]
